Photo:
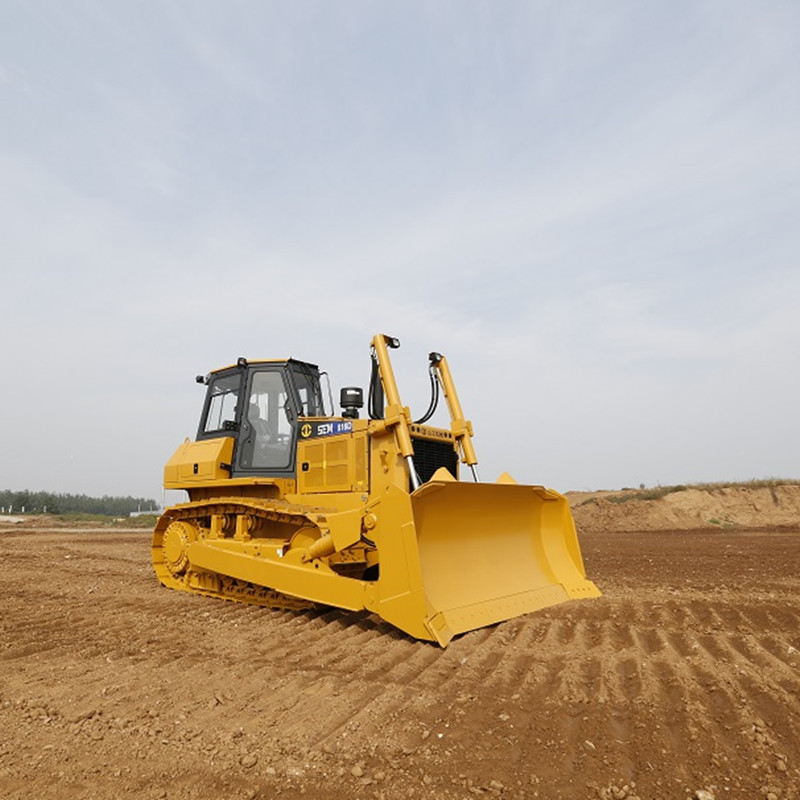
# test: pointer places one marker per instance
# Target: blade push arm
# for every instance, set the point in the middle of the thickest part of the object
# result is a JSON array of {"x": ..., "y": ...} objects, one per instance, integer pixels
[{"x": 397, "y": 416}]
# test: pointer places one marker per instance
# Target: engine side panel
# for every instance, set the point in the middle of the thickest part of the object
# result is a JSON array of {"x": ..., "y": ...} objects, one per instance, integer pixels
[
  {"x": 195, "y": 463},
  {"x": 333, "y": 464}
]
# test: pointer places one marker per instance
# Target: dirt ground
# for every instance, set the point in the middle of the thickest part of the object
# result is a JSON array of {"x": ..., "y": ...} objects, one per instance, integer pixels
[{"x": 681, "y": 681}]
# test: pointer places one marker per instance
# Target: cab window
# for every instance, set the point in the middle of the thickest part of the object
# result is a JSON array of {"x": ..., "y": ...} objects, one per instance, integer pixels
[
  {"x": 306, "y": 380},
  {"x": 222, "y": 398}
]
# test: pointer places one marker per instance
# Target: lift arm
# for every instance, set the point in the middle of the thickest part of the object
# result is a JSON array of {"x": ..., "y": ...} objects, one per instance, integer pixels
[
  {"x": 398, "y": 417},
  {"x": 461, "y": 428}
]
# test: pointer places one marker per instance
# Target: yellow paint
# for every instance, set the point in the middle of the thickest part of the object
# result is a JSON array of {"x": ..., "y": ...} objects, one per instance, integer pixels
[
  {"x": 447, "y": 558},
  {"x": 195, "y": 463}
]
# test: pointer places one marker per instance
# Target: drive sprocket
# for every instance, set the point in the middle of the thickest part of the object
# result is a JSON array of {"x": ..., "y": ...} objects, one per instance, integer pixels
[{"x": 176, "y": 540}]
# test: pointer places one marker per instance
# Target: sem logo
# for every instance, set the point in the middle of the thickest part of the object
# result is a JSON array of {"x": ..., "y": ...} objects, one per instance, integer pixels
[
  {"x": 309, "y": 429},
  {"x": 332, "y": 428}
]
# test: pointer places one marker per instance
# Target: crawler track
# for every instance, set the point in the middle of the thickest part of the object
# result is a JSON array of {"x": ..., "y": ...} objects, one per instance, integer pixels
[{"x": 283, "y": 519}]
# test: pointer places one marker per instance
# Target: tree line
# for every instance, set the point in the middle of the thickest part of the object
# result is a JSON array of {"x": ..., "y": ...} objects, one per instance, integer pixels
[{"x": 28, "y": 502}]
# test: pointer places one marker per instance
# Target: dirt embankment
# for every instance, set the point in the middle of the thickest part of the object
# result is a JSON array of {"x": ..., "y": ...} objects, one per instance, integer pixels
[{"x": 692, "y": 508}]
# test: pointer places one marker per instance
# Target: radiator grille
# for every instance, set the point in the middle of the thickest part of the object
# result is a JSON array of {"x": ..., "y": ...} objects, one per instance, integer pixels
[{"x": 430, "y": 455}]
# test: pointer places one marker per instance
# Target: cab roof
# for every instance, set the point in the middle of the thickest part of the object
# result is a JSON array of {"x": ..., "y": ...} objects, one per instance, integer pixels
[{"x": 259, "y": 361}]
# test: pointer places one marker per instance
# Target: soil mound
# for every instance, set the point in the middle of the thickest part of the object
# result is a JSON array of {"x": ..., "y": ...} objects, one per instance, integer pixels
[{"x": 690, "y": 508}]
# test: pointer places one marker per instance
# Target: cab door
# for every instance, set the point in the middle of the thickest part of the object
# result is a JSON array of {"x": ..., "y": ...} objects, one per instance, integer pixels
[{"x": 267, "y": 429}]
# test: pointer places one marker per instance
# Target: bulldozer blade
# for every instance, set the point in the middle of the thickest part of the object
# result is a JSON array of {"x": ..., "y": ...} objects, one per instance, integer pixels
[{"x": 491, "y": 552}]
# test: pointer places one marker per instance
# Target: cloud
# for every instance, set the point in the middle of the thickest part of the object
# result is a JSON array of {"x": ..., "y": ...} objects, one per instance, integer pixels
[{"x": 590, "y": 211}]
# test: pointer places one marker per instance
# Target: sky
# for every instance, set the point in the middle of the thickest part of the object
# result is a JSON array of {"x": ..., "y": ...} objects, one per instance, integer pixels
[{"x": 592, "y": 209}]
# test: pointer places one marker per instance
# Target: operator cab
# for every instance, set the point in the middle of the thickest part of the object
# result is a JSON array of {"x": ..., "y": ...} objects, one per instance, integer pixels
[{"x": 258, "y": 403}]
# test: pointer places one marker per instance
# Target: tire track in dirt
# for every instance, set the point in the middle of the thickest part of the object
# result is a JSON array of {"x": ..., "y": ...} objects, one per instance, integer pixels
[
  {"x": 679, "y": 675},
  {"x": 672, "y": 688}
]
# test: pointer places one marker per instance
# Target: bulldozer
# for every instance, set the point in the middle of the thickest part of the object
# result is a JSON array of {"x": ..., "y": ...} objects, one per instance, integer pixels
[{"x": 290, "y": 506}]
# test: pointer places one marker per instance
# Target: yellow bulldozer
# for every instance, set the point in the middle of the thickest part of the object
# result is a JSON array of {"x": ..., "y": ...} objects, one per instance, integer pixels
[{"x": 291, "y": 505}]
